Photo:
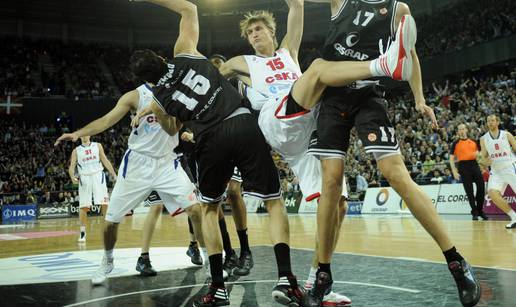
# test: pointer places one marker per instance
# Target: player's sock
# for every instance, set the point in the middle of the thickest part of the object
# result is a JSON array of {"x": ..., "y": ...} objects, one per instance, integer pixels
[
  {"x": 217, "y": 276},
  {"x": 83, "y": 229},
  {"x": 226, "y": 241},
  {"x": 512, "y": 215},
  {"x": 324, "y": 267},
  {"x": 244, "y": 241},
  {"x": 282, "y": 252},
  {"x": 452, "y": 255},
  {"x": 109, "y": 254}
]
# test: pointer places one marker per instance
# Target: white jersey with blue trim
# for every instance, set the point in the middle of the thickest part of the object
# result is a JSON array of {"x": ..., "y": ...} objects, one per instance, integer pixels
[
  {"x": 88, "y": 159},
  {"x": 273, "y": 76},
  {"x": 500, "y": 151},
  {"x": 149, "y": 138}
]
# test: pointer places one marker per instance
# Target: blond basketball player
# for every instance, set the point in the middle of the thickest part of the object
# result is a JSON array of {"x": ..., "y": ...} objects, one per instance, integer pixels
[
  {"x": 287, "y": 99},
  {"x": 498, "y": 147},
  {"x": 88, "y": 158}
]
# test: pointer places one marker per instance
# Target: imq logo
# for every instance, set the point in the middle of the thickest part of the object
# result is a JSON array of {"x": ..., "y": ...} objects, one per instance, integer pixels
[
  {"x": 8, "y": 213},
  {"x": 382, "y": 197}
]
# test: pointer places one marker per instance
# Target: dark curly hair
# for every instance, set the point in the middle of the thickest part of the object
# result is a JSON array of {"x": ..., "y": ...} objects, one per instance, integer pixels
[{"x": 147, "y": 66}]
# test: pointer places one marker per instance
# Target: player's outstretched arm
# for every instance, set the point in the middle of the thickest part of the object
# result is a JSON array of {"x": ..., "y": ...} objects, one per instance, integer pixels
[
  {"x": 105, "y": 161},
  {"x": 169, "y": 123},
  {"x": 124, "y": 105},
  {"x": 71, "y": 168},
  {"x": 295, "y": 22},
  {"x": 188, "y": 26}
]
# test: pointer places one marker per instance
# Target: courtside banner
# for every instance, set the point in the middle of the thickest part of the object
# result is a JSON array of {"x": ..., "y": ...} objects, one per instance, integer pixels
[
  {"x": 16, "y": 213},
  {"x": 509, "y": 195},
  {"x": 451, "y": 199},
  {"x": 381, "y": 201}
]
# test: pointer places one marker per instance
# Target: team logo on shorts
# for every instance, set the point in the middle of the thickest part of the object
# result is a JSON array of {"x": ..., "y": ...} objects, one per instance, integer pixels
[
  {"x": 371, "y": 137},
  {"x": 383, "y": 11}
]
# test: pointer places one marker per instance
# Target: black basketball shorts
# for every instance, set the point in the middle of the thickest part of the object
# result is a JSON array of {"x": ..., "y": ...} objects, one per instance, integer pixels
[
  {"x": 236, "y": 141},
  {"x": 343, "y": 108}
]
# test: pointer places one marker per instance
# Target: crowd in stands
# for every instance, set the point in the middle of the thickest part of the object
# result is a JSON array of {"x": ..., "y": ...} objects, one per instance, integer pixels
[
  {"x": 93, "y": 71},
  {"x": 31, "y": 167},
  {"x": 465, "y": 24}
]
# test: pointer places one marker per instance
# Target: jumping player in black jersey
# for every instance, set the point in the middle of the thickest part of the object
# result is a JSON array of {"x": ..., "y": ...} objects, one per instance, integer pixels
[
  {"x": 192, "y": 91},
  {"x": 361, "y": 30}
]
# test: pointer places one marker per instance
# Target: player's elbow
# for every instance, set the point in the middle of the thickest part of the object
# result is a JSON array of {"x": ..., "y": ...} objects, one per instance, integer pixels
[{"x": 189, "y": 9}]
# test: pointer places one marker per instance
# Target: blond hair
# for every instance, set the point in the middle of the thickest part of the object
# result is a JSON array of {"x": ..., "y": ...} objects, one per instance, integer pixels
[{"x": 256, "y": 16}]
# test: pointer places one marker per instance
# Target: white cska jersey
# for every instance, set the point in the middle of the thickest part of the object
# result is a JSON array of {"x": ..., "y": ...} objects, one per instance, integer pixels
[
  {"x": 88, "y": 159},
  {"x": 273, "y": 76},
  {"x": 499, "y": 150},
  {"x": 149, "y": 138}
]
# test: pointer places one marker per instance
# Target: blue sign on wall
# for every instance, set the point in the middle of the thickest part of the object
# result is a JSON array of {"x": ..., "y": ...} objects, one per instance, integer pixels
[
  {"x": 16, "y": 213},
  {"x": 354, "y": 207}
]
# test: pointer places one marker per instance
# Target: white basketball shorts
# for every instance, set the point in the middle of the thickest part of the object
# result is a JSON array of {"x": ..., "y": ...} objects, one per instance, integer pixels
[
  {"x": 93, "y": 186},
  {"x": 139, "y": 175}
]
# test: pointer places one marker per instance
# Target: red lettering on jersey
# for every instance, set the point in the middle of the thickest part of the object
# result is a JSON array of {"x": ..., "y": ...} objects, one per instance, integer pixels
[
  {"x": 87, "y": 151},
  {"x": 497, "y": 147},
  {"x": 275, "y": 64},
  {"x": 283, "y": 76},
  {"x": 152, "y": 119}
]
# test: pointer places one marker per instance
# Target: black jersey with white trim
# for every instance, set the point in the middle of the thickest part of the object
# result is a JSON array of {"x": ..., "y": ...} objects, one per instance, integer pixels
[
  {"x": 196, "y": 93},
  {"x": 361, "y": 30}
]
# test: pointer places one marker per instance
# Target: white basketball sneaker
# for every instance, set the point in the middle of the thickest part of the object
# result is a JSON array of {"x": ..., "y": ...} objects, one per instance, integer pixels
[
  {"x": 101, "y": 274},
  {"x": 334, "y": 299},
  {"x": 397, "y": 60},
  {"x": 512, "y": 224},
  {"x": 82, "y": 237}
]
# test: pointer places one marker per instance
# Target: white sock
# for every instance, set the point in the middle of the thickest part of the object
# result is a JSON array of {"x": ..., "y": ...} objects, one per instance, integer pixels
[
  {"x": 311, "y": 275},
  {"x": 512, "y": 215},
  {"x": 204, "y": 253},
  {"x": 375, "y": 69},
  {"x": 109, "y": 254},
  {"x": 83, "y": 229}
]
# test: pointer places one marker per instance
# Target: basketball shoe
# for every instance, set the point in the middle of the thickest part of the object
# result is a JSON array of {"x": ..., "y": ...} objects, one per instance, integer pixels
[
  {"x": 396, "y": 62},
  {"x": 245, "y": 265},
  {"x": 332, "y": 299},
  {"x": 468, "y": 286},
  {"x": 101, "y": 274},
  {"x": 216, "y": 296},
  {"x": 321, "y": 288},
  {"x": 194, "y": 254},
  {"x": 287, "y": 292},
  {"x": 144, "y": 267}
]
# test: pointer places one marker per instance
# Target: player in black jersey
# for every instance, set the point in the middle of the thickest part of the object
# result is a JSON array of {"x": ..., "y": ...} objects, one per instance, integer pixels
[
  {"x": 361, "y": 30},
  {"x": 191, "y": 91}
]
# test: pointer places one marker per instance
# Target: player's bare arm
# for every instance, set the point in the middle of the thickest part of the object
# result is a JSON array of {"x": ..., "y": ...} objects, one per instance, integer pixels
[
  {"x": 188, "y": 27},
  {"x": 295, "y": 22},
  {"x": 126, "y": 103},
  {"x": 453, "y": 168},
  {"x": 105, "y": 161},
  {"x": 169, "y": 123},
  {"x": 135, "y": 122},
  {"x": 235, "y": 67},
  {"x": 415, "y": 82},
  {"x": 71, "y": 168}
]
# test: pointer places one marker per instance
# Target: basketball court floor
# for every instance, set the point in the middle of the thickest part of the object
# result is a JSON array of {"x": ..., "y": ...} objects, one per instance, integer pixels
[{"x": 380, "y": 261}]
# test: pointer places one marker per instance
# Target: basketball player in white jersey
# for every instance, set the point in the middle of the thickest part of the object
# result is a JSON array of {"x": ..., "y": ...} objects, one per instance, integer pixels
[
  {"x": 287, "y": 118},
  {"x": 149, "y": 164},
  {"x": 88, "y": 158},
  {"x": 498, "y": 147}
]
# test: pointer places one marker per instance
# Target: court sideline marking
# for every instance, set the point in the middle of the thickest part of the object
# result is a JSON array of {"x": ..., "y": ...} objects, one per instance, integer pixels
[{"x": 235, "y": 283}]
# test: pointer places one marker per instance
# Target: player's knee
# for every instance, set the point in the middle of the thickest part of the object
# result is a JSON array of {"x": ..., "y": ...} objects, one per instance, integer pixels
[
  {"x": 343, "y": 207},
  {"x": 195, "y": 214},
  {"x": 315, "y": 70},
  {"x": 233, "y": 192}
]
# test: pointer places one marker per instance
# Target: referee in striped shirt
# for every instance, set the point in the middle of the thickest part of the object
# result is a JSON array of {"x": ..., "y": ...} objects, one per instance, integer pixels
[{"x": 466, "y": 150}]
